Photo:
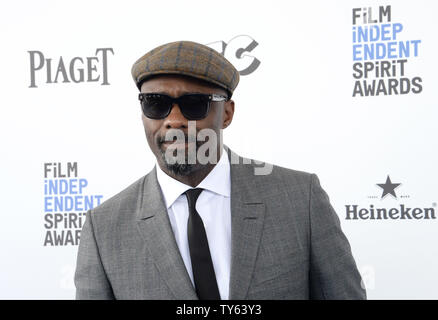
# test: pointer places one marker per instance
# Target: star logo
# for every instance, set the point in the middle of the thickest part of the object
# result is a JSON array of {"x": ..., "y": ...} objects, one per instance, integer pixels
[{"x": 388, "y": 187}]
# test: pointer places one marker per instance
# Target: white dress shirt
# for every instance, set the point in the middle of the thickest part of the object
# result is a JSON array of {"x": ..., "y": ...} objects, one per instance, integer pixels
[{"x": 213, "y": 205}]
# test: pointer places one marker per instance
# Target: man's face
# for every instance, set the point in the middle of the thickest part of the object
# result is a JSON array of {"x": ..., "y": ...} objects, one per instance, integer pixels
[{"x": 219, "y": 117}]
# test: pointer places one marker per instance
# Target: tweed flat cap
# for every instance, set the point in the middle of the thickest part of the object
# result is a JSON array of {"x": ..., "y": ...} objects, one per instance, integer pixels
[{"x": 187, "y": 58}]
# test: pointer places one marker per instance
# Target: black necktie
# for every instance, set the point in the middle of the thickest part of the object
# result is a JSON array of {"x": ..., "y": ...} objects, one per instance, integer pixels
[{"x": 202, "y": 266}]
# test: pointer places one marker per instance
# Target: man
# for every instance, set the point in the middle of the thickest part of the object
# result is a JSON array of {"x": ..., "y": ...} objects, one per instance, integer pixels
[{"x": 204, "y": 223}]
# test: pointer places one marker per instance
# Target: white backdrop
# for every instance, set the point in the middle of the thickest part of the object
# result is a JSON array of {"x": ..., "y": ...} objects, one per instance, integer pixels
[{"x": 296, "y": 109}]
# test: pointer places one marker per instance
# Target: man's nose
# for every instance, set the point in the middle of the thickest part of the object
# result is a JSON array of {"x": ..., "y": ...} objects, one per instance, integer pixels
[{"x": 175, "y": 119}]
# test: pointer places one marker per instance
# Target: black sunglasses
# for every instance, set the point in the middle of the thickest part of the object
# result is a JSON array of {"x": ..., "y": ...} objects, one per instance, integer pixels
[{"x": 193, "y": 106}]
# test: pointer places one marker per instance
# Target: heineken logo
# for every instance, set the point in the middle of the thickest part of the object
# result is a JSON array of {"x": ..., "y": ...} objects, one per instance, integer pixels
[{"x": 384, "y": 211}]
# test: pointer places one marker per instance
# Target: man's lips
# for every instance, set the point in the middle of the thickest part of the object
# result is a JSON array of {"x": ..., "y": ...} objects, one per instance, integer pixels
[
  {"x": 174, "y": 142},
  {"x": 178, "y": 144}
]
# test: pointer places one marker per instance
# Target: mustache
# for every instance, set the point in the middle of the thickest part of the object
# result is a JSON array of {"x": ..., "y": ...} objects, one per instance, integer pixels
[{"x": 160, "y": 139}]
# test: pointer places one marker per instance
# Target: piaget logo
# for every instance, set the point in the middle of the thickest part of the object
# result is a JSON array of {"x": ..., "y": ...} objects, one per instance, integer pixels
[
  {"x": 380, "y": 211},
  {"x": 69, "y": 70}
]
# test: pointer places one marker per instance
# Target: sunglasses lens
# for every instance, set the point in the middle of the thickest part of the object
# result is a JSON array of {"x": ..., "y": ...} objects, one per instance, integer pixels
[
  {"x": 158, "y": 106},
  {"x": 194, "y": 106},
  {"x": 155, "y": 106}
]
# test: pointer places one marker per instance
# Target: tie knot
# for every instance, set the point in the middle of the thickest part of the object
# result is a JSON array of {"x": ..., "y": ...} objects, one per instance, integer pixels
[{"x": 192, "y": 195}]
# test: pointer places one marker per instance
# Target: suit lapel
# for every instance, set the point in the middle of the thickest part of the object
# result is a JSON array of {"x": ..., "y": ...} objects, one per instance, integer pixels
[
  {"x": 247, "y": 217},
  {"x": 154, "y": 226}
]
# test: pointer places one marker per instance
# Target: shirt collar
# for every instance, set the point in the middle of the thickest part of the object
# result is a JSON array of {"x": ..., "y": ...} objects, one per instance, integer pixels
[{"x": 217, "y": 181}]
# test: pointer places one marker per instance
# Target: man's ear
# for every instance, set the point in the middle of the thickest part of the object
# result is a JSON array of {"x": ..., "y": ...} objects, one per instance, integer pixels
[{"x": 228, "y": 113}]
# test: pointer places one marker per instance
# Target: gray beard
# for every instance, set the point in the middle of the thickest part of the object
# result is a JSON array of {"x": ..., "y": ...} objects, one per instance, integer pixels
[{"x": 178, "y": 169}]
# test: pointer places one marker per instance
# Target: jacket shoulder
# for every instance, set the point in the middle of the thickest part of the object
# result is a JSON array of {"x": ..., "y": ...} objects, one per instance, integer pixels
[
  {"x": 292, "y": 176},
  {"x": 126, "y": 200},
  {"x": 278, "y": 175}
]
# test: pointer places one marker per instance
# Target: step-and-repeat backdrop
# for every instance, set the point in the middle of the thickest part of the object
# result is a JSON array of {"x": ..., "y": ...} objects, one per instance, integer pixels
[{"x": 344, "y": 89}]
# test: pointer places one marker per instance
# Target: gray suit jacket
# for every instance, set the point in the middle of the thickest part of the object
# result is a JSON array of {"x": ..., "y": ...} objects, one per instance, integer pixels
[{"x": 287, "y": 243}]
